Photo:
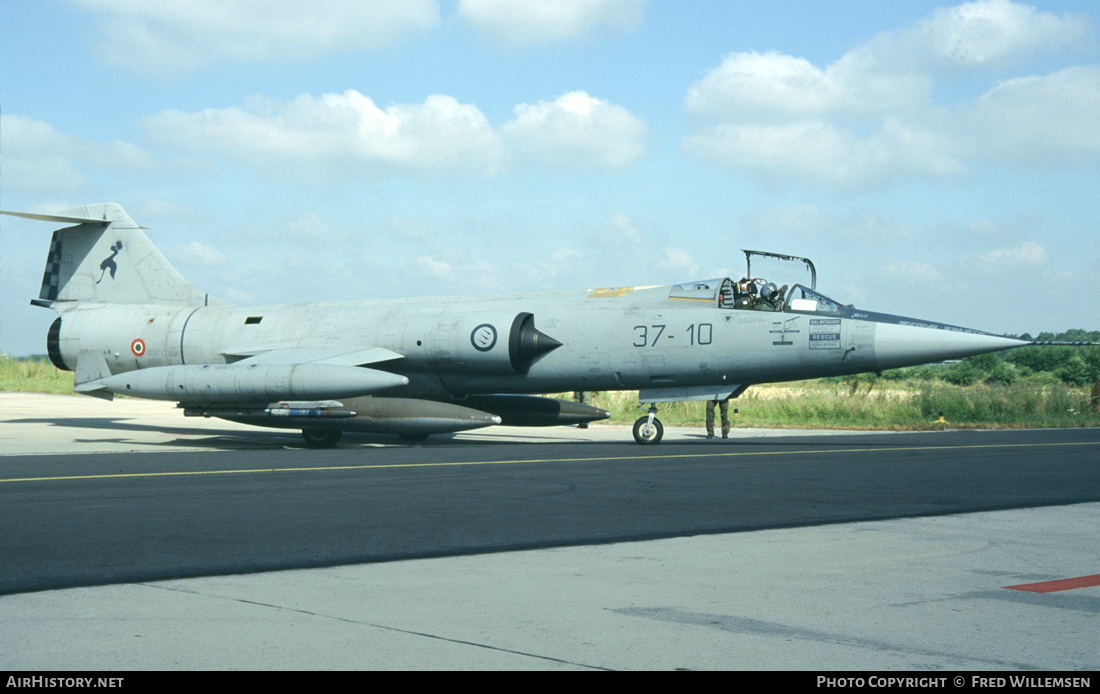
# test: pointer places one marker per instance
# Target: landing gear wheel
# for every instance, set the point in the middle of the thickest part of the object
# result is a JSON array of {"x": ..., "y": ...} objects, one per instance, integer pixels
[
  {"x": 646, "y": 434},
  {"x": 321, "y": 438},
  {"x": 413, "y": 438}
]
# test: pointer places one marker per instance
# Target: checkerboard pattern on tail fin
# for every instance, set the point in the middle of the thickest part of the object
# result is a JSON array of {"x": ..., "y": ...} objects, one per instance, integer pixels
[{"x": 106, "y": 258}]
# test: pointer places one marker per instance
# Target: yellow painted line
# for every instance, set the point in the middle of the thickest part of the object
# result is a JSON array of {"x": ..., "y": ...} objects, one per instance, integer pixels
[{"x": 531, "y": 461}]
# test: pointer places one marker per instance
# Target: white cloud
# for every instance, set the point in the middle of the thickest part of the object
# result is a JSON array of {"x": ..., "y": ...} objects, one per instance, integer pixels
[
  {"x": 784, "y": 118},
  {"x": 911, "y": 273},
  {"x": 1029, "y": 255},
  {"x": 196, "y": 253},
  {"x": 566, "y": 256},
  {"x": 871, "y": 116},
  {"x": 462, "y": 271},
  {"x": 348, "y": 134},
  {"x": 608, "y": 256},
  {"x": 810, "y": 220},
  {"x": 758, "y": 87},
  {"x": 820, "y": 152},
  {"x": 986, "y": 228},
  {"x": 992, "y": 33},
  {"x": 577, "y": 131},
  {"x": 454, "y": 270},
  {"x": 164, "y": 210},
  {"x": 36, "y": 157},
  {"x": 173, "y": 38},
  {"x": 872, "y": 227},
  {"x": 302, "y": 232},
  {"x": 620, "y": 232},
  {"x": 1048, "y": 120},
  {"x": 679, "y": 261},
  {"x": 457, "y": 271},
  {"x": 310, "y": 137},
  {"x": 798, "y": 219},
  {"x": 521, "y": 23},
  {"x": 310, "y": 229}
]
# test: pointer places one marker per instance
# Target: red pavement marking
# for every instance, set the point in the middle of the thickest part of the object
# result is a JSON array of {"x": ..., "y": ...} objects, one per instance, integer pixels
[{"x": 1054, "y": 586}]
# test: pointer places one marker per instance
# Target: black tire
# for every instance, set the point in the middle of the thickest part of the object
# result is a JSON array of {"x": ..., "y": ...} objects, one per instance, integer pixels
[
  {"x": 321, "y": 438},
  {"x": 414, "y": 438},
  {"x": 648, "y": 438}
]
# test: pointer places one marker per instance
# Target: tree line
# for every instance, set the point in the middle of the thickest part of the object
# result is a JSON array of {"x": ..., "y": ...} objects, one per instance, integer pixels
[{"x": 1072, "y": 365}]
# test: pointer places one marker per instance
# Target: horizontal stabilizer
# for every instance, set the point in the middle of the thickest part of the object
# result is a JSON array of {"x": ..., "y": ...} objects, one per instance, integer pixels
[
  {"x": 62, "y": 219},
  {"x": 95, "y": 389}
]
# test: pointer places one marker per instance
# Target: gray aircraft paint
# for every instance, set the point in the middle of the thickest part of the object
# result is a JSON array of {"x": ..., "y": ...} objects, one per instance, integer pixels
[{"x": 129, "y": 323}]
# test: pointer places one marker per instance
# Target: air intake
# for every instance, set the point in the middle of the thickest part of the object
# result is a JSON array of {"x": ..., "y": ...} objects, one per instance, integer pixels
[{"x": 526, "y": 344}]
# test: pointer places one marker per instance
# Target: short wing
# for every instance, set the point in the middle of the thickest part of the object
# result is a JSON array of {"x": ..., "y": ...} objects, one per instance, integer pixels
[
  {"x": 312, "y": 355},
  {"x": 686, "y": 393}
]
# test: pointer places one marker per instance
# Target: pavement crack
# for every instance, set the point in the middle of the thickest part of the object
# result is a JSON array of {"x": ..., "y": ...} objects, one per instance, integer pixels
[{"x": 382, "y": 627}]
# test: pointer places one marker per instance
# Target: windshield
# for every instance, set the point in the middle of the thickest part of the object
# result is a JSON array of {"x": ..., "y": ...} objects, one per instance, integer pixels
[{"x": 803, "y": 299}]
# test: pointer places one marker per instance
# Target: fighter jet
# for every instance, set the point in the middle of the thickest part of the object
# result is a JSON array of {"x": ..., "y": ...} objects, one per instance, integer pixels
[{"x": 130, "y": 324}]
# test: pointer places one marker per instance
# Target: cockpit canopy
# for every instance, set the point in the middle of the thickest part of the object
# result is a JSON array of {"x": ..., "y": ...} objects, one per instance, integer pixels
[
  {"x": 755, "y": 294},
  {"x": 758, "y": 294}
]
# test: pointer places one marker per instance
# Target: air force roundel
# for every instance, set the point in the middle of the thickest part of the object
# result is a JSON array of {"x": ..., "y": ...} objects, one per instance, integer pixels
[{"x": 484, "y": 337}]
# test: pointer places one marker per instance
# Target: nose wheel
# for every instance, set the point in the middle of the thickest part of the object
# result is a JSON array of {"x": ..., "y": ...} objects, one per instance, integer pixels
[{"x": 648, "y": 430}]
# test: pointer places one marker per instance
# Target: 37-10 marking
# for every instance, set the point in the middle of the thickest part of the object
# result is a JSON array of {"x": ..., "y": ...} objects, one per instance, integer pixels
[{"x": 650, "y": 335}]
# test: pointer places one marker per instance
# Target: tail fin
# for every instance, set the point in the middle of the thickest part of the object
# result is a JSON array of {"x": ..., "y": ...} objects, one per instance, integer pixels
[{"x": 106, "y": 258}]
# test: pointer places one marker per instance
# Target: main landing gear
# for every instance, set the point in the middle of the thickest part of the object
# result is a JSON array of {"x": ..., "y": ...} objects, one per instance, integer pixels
[
  {"x": 648, "y": 430},
  {"x": 321, "y": 438}
]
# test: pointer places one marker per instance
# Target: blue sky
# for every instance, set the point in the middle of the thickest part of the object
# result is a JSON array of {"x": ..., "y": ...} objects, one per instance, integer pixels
[{"x": 935, "y": 160}]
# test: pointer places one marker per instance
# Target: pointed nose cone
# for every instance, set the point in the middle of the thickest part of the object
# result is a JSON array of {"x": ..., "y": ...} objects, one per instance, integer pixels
[{"x": 911, "y": 342}]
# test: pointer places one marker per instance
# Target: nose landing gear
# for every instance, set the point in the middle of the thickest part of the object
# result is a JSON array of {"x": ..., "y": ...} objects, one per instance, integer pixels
[{"x": 648, "y": 430}]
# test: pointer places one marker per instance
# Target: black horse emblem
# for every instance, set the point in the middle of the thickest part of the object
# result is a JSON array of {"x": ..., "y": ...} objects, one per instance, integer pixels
[{"x": 109, "y": 262}]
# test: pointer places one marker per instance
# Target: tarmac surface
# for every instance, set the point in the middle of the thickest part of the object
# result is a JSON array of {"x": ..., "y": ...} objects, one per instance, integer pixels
[{"x": 912, "y": 592}]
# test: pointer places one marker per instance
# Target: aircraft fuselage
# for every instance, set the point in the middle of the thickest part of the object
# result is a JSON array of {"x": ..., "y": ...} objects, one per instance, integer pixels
[{"x": 626, "y": 339}]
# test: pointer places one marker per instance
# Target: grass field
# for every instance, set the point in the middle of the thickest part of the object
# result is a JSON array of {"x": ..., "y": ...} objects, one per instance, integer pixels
[
  {"x": 852, "y": 404},
  {"x": 814, "y": 404},
  {"x": 33, "y": 375}
]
